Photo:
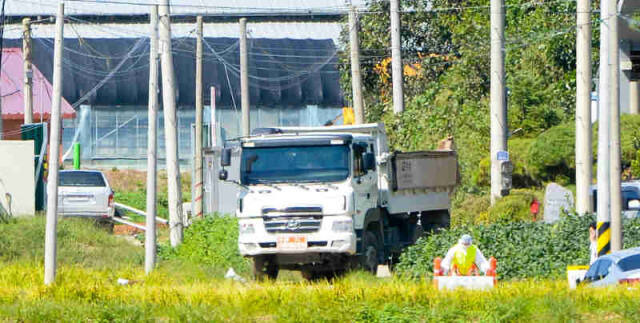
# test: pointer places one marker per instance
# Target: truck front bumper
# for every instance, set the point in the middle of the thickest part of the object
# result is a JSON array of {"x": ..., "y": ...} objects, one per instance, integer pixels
[{"x": 326, "y": 240}]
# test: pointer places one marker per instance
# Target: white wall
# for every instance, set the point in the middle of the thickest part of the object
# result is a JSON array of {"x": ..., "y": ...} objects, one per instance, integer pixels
[{"x": 17, "y": 177}]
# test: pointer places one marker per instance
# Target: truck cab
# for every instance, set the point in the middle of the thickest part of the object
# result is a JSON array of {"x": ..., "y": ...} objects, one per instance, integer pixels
[{"x": 318, "y": 200}]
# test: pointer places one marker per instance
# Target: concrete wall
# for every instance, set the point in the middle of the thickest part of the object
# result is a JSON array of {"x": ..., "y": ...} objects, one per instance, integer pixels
[{"x": 17, "y": 177}]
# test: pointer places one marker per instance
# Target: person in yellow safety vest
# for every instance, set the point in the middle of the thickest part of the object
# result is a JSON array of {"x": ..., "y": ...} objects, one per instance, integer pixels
[{"x": 463, "y": 256}]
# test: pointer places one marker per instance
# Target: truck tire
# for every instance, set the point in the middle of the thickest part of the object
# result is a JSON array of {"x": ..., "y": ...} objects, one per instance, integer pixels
[
  {"x": 264, "y": 268},
  {"x": 370, "y": 251}
]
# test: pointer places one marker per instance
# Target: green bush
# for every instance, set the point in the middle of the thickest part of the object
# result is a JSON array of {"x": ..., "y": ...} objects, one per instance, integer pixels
[
  {"x": 469, "y": 208},
  {"x": 513, "y": 207},
  {"x": 211, "y": 241},
  {"x": 476, "y": 209},
  {"x": 551, "y": 156},
  {"x": 523, "y": 249}
]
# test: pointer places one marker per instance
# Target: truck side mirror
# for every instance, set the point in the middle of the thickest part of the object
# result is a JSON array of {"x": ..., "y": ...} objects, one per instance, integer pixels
[
  {"x": 368, "y": 161},
  {"x": 225, "y": 157},
  {"x": 223, "y": 175}
]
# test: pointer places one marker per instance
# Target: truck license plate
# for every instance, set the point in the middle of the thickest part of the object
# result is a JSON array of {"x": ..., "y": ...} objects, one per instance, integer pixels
[{"x": 292, "y": 242}]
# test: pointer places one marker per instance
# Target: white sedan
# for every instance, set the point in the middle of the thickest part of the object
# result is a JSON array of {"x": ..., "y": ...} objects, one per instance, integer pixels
[{"x": 85, "y": 193}]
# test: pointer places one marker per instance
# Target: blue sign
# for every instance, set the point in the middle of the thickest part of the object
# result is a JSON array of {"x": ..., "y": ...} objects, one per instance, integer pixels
[{"x": 503, "y": 155}]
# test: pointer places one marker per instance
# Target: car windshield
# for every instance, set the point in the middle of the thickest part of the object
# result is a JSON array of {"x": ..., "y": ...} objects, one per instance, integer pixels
[
  {"x": 629, "y": 263},
  {"x": 83, "y": 179},
  {"x": 295, "y": 164}
]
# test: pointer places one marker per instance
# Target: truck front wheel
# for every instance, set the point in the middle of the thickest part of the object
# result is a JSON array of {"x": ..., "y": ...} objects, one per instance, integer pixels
[
  {"x": 370, "y": 250},
  {"x": 264, "y": 268}
]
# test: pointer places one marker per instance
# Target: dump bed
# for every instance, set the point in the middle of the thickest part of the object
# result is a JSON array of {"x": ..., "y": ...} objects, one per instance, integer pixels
[
  {"x": 425, "y": 170},
  {"x": 422, "y": 181}
]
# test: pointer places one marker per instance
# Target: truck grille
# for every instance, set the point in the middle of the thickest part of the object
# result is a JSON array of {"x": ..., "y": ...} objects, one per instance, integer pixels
[{"x": 292, "y": 220}]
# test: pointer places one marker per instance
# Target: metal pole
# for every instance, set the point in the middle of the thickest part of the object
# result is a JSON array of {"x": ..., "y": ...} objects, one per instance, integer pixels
[
  {"x": 584, "y": 159},
  {"x": 170, "y": 127},
  {"x": 615, "y": 171},
  {"x": 396, "y": 58},
  {"x": 498, "y": 106},
  {"x": 197, "y": 196},
  {"x": 603, "y": 172},
  {"x": 28, "y": 73},
  {"x": 152, "y": 146},
  {"x": 213, "y": 126},
  {"x": 634, "y": 97},
  {"x": 54, "y": 153},
  {"x": 244, "y": 78},
  {"x": 356, "y": 79}
]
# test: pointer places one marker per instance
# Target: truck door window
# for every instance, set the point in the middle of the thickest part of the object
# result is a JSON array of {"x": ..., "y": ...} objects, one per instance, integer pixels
[{"x": 358, "y": 150}]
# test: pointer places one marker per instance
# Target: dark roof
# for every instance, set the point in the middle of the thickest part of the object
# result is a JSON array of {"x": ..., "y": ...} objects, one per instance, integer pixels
[{"x": 299, "y": 80}]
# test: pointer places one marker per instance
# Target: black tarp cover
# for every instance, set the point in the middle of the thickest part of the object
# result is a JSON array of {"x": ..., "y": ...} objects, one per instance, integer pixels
[{"x": 284, "y": 72}]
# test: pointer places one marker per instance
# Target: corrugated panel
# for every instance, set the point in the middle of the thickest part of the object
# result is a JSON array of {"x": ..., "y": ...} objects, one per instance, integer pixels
[
  {"x": 203, "y": 7},
  {"x": 271, "y": 30}
]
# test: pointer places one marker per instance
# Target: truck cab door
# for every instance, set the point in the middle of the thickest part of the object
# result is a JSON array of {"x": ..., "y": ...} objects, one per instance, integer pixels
[{"x": 364, "y": 181}]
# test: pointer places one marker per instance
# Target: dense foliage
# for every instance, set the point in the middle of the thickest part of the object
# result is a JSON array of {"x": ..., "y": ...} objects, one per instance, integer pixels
[
  {"x": 523, "y": 249},
  {"x": 551, "y": 155},
  {"x": 211, "y": 241},
  {"x": 446, "y": 54}
]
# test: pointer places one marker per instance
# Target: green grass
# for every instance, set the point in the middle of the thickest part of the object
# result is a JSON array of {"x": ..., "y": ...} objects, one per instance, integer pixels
[
  {"x": 80, "y": 242},
  {"x": 85, "y": 294},
  {"x": 188, "y": 286}
]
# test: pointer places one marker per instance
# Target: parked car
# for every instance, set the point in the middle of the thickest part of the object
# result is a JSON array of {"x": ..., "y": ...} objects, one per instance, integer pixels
[
  {"x": 85, "y": 193},
  {"x": 620, "y": 267}
]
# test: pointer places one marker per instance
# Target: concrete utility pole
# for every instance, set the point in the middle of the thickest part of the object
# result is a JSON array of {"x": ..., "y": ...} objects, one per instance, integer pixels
[
  {"x": 28, "y": 72},
  {"x": 396, "y": 58},
  {"x": 615, "y": 171},
  {"x": 152, "y": 146},
  {"x": 634, "y": 97},
  {"x": 244, "y": 79},
  {"x": 170, "y": 127},
  {"x": 584, "y": 159},
  {"x": 498, "y": 99},
  {"x": 356, "y": 79},
  {"x": 197, "y": 186},
  {"x": 54, "y": 153},
  {"x": 604, "y": 120}
]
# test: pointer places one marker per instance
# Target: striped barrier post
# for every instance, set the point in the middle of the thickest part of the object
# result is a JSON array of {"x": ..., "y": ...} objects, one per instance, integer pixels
[{"x": 604, "y": 238}]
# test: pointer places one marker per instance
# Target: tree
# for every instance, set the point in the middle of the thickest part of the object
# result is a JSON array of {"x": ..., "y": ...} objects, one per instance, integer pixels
[{"x": 446, "y": 57}]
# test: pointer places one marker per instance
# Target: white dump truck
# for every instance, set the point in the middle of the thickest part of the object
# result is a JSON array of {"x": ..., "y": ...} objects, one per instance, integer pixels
[{"x": 323, "y": 199}]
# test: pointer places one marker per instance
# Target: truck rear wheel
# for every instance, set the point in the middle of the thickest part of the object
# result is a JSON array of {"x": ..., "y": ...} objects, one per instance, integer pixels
[
  {"x": 264, "y": 268},
  {"x": 370, "y": 250}
]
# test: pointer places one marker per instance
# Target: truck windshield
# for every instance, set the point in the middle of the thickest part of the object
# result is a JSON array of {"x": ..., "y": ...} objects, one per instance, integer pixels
[{"x": 295, "y": 164}]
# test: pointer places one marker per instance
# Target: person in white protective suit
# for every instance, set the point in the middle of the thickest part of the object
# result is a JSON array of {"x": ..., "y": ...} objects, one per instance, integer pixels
[{"x": 464, "y": 259}]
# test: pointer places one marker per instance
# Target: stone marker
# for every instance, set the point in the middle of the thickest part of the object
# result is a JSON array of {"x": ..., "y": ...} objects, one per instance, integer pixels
[{"x": 556, "y": 200}]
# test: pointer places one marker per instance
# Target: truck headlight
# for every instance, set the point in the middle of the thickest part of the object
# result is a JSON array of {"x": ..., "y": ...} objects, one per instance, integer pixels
[
  {"x": 246, "y": 228},
  {"x": 342, "y": 226}
]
